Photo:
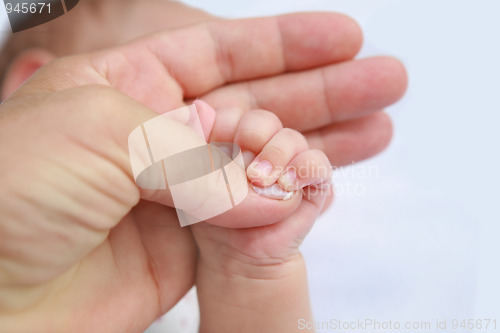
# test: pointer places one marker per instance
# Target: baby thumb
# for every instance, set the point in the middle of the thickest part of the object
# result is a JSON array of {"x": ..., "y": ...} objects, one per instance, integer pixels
[{"x": 174, "y": 165}]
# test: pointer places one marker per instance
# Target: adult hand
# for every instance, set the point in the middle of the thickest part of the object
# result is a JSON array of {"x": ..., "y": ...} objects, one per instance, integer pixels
[
  {"x": 78, "y": 251},
  {"x": 299, "y": 66}
]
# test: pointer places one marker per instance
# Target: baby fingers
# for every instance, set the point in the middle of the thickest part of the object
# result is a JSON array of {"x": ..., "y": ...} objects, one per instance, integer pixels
[
  {"x": 310, "y": 167},
  {"x": 275, "y": 156}
]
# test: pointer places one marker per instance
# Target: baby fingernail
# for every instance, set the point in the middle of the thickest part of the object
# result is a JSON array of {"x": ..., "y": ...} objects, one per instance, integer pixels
[
  {"x": 273, "y": 192},
  {"x": 287, "y": 180},
  {"x": 260, "y": 169}
]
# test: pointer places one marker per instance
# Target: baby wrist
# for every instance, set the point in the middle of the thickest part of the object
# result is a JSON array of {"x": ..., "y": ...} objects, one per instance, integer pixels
[{"x": 242, "y": 266}]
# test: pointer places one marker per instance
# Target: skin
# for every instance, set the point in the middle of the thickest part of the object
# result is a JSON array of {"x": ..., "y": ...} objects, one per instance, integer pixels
[
  {"x": 116, "y": 249},
  {"x": 345, "y": 97},
  {"x": 250, "y": 273}
]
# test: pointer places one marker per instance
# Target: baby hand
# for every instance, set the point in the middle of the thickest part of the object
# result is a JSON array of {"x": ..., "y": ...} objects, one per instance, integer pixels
[{"x": 288, "y": 186}]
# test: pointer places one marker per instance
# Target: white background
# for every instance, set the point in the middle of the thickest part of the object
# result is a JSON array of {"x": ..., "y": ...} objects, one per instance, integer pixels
[{"x": 420, "y": 239}]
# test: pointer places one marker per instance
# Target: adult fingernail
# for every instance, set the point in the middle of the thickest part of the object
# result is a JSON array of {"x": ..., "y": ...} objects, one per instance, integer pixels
[
  {"x": 260, "y": 169},
  {"x": 288, "y": 180}
]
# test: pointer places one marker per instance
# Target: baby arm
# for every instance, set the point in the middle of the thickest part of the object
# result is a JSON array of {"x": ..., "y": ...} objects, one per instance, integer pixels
[{"x": 251, "y": 276}]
